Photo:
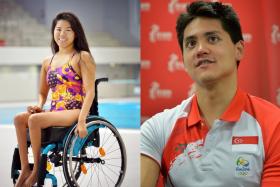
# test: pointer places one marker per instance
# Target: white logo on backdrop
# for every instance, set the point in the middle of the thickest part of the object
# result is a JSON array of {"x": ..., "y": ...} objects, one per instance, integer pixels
[
  {"x": 247, "y": 37},
  {"x": 145, "y": 64},
  {"x": 278, "y": 97},
  {"x": 156, "y": 92},
  {"x": 174, "y": 63},
  {"x": 275, "y": 34},
  {"x": 175, "y": 6},
  {"x": 157, "y": 35},
  {"x": 145, "y": 6}
]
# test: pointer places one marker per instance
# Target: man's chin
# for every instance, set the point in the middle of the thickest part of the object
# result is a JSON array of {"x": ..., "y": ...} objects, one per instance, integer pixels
[{"x": 207, "y": 80}]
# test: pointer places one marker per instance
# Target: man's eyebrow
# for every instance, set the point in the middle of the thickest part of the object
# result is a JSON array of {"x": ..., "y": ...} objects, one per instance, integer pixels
[
  {"x": 192, "y": 37},
  {"x": 211, "y": 33}
]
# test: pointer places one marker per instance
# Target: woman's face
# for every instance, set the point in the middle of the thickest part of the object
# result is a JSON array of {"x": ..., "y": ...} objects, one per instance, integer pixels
[{"x": 63, "y": 34}]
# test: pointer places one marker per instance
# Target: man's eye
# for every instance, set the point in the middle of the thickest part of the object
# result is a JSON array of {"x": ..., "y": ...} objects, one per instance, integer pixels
[
  {"x": 190, "y": 44},
  {"x": 213, "y": 39}
]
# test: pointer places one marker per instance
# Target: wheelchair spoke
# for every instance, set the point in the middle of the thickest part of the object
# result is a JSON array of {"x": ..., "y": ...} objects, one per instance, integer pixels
[
  {"x": 61, "y": 176},
  {"x": 94, "y": 153},
  {"x": 109, "y": 148},
  {"x": 106, "y": 140},
  {"x": 104, "y": 135},
  {"x": 91, "y": 176},
  {"x": 118, "y": 158},
  {"x": 107, "y": 177},
  {"x": 112, "y": 171},
  {"x": 117, "y": 166},
  {"x": 97, "y": 174},
  {"x": 112, "y": 151}
]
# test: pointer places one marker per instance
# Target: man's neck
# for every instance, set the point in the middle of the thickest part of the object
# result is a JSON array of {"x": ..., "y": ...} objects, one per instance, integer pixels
[{"x": 213, "y": 101}]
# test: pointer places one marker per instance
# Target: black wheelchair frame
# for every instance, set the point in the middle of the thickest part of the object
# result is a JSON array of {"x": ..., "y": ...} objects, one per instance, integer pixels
[{"x": 61, "y": 147}]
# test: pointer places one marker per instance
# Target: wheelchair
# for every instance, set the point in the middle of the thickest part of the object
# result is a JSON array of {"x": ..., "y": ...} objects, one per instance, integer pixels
[{"x": 99, "y": 159}]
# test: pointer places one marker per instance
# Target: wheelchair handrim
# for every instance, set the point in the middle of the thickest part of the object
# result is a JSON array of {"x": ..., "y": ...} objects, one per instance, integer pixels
[{"x": 103, "y": 123}]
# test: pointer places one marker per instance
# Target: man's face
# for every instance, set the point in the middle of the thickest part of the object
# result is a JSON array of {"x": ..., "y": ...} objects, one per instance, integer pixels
[{"x": 208, "y": 52}]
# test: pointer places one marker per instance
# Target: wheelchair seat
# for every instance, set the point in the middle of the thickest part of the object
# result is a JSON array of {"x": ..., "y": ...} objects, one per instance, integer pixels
[
  {"x": 54, "y": 134},
  {"x": 51, "y": 135}
]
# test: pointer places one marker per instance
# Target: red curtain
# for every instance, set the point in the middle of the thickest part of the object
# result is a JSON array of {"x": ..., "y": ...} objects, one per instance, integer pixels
[{"x": 164, "y": 82}]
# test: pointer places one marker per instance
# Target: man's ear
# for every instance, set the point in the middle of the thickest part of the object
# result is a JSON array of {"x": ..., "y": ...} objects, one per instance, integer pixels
[{"x": 239, "y": 50}]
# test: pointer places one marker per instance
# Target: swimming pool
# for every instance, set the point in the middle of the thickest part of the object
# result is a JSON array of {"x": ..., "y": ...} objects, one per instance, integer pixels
[{"x": 122, "y": 114}]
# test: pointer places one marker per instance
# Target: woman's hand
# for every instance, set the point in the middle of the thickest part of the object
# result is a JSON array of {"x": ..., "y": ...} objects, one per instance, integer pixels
[
  {"x": 81, "y": 130},
  {"x": 34, "y": 109}
]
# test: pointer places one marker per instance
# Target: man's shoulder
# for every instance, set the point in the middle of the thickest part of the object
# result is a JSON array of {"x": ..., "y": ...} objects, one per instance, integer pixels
[
  {"x": 265, "y": 110},
  {"x": 159, "y": 127},
  {"x": 172, "y": 114},
  {"x": 264, "y": 105}
]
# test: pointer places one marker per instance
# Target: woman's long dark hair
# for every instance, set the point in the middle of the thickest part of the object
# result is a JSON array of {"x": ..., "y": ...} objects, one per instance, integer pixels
[{"x": 80, "y": 41}]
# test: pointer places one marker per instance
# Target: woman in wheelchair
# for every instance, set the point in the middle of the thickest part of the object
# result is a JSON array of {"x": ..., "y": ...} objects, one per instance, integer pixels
[{"x": 70, "y": 74}]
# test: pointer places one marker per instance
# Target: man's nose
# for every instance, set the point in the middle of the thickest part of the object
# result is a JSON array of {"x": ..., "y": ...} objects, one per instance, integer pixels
[{"x": 202, "y": 49}]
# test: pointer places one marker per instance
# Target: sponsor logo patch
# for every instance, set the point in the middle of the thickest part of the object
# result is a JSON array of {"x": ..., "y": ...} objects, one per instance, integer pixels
[{"x": 243, "y": 166}]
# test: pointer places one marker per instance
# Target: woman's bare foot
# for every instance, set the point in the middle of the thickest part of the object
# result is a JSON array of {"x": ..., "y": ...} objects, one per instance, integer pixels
[
  {"x": 31, "y": 180},
  {"x": 24, "y": 174}
]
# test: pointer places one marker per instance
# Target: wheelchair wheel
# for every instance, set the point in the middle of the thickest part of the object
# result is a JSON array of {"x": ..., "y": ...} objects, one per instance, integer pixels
[{"x": 85, "y": 164}]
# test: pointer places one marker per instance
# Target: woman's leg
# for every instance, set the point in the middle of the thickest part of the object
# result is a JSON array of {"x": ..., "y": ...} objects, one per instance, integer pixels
[
  {"x": 20, "y": 122},
  {"x": 40, "y": 121}
]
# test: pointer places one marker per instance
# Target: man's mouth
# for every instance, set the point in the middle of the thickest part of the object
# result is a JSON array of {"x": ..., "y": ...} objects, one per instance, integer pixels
[{"x": 205, "y": 61}]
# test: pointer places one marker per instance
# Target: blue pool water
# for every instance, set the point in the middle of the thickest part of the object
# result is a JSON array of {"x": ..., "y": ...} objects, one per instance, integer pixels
[{"x": 121, "y": 114}]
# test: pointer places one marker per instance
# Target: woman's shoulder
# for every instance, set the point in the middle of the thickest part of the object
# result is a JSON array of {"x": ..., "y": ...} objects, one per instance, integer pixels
[
  {"x": 46, "y": 61},
  {"x": 85, "y": 55}
]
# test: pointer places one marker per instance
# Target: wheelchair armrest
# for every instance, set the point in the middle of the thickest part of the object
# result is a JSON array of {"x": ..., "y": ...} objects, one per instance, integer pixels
[
  {"x": 94, "y": 107},
  {"x": 97, "y": 81}
]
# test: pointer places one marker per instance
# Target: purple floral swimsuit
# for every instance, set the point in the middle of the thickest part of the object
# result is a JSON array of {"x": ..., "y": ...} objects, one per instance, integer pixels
[{"x": 67, "y": 89}]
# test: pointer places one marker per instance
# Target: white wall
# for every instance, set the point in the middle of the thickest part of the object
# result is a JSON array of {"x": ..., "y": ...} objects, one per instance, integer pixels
[{"x": 35, "y": 55}]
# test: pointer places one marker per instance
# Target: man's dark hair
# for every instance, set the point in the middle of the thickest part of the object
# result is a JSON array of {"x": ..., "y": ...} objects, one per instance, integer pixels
[{"x": 216, "y": 10}]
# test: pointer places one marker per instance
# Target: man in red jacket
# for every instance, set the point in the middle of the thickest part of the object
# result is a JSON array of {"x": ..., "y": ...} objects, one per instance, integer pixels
[{"x": 221, "y": 136}]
